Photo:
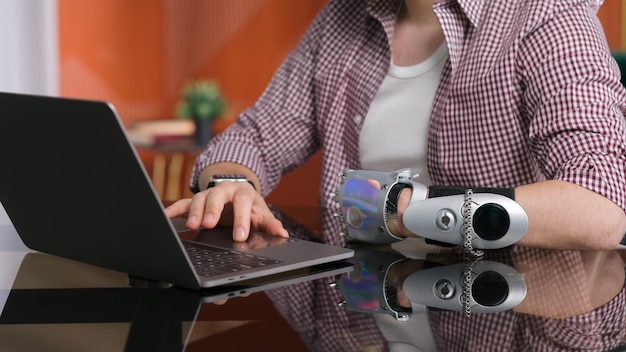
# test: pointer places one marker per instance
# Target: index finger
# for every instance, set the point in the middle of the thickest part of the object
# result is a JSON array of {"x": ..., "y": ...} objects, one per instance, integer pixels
[{"x": 178, "y": 208}]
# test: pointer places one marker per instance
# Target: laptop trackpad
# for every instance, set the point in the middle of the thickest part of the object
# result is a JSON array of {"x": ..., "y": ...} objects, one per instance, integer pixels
[
  {"x": 179, "y": 224},
  {"x": 222, "y": 236}
]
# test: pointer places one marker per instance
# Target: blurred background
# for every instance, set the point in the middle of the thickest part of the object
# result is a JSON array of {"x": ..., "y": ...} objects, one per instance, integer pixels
[{"x": 138, "y": 54}]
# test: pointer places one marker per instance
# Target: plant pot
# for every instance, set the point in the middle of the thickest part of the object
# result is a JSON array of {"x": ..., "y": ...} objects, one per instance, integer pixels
[{"x": 204, "y": 131}]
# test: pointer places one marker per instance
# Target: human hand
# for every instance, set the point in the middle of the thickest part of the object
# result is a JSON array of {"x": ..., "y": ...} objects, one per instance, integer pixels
[
  {"x": 394, "y": 221},
  {"x": 233, "y": 204}
]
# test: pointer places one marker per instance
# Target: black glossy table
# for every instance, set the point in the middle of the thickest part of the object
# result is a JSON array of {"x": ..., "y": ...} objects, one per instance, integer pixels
[{"x": 407, "y": 297}]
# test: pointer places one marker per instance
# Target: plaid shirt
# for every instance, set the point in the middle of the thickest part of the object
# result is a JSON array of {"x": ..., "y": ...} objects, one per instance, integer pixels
[{"x": 530, "y": 92}]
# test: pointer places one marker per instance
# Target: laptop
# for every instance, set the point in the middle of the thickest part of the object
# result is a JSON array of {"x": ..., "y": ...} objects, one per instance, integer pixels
[{"x": 73, "y": 186}]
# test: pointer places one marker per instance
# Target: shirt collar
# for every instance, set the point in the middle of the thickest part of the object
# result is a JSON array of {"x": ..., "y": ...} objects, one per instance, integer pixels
[
  {"x": 382, "y": 9},
  {"x": 471, "y": 8}
]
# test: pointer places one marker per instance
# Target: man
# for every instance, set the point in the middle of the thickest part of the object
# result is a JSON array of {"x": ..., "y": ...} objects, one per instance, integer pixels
[{"x": 528, "y": 97}]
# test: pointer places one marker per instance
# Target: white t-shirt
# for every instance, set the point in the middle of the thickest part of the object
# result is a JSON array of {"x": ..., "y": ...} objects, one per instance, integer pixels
[
  {"x": 395, "y": 129},
  {"x": 395, "y": 136}
]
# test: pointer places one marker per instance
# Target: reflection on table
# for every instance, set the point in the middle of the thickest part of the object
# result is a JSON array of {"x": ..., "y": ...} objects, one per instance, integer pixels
[
  {"x": 409, "y": 296},
  {"x": 55, "y": 304},
  {"x": 573, "y": 300}
]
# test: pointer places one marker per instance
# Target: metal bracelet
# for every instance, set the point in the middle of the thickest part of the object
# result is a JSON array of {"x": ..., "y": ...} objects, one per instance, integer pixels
[
  {"x": 472, "y": 255},
  {"x": 466, "y": 298},
  {"x": 467, "y": 225}
]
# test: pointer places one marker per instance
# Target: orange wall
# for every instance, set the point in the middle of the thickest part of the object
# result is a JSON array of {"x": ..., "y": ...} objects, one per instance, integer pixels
[
  {"x": 137, "y": 54},
  {"x": 112, "y": 50},
  {"x": 611, "y": 16}
]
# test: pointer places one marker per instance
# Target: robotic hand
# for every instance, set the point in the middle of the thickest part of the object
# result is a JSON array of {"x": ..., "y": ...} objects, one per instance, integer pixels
[{"x": 485, "y": 218}]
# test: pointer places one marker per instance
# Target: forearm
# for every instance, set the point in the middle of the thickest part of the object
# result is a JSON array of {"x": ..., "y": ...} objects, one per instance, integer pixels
[
  {"x": 229, "y": 169},
  {"x": 564, "y": 215},
  {"x": 561, "y": 215}
]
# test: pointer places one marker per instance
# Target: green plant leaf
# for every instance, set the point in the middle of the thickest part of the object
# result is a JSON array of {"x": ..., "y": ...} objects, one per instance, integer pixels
[{"x": 200, "y": 100}]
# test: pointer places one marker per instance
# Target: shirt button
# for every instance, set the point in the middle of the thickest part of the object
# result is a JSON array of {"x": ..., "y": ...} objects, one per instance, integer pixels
[{"x": 358, "y": 119}]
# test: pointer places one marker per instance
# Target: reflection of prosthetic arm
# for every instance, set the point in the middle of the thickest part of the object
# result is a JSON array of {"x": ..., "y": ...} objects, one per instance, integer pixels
[
  {"x": 481, "y": 287},
  {"x": 365, "y": 289},
  {"x": 477, "y": 286},
  {"x": 489, "y": 218}
]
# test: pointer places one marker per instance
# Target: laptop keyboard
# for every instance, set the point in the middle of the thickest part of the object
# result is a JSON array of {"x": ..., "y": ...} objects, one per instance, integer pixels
[{"x": 211, "y": 261}]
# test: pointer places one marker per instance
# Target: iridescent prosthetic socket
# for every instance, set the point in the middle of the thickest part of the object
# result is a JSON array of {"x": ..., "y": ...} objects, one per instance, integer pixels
[
  {"x": 363, "y": 198},
  {"x": 489, "y": 220}
]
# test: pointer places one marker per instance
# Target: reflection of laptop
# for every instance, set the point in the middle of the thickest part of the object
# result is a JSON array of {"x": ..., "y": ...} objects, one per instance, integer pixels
[
  {"x": 51, "y": 293},
  {"x": 73, "y": 186}
]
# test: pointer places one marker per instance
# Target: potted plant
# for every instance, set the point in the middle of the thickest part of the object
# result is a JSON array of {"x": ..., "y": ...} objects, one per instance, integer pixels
[{"x": 202, "y": 102}]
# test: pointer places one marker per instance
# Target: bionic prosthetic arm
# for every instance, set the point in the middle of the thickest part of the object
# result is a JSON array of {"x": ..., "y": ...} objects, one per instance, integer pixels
[{"x": 485, "y": 218}]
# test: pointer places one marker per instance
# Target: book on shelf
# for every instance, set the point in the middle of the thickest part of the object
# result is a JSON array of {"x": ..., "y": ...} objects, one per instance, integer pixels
[{"x": 161, "y": 131}]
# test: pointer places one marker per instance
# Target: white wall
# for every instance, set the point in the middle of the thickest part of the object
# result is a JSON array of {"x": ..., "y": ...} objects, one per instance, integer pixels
[{"x": 29, "y": 42}]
